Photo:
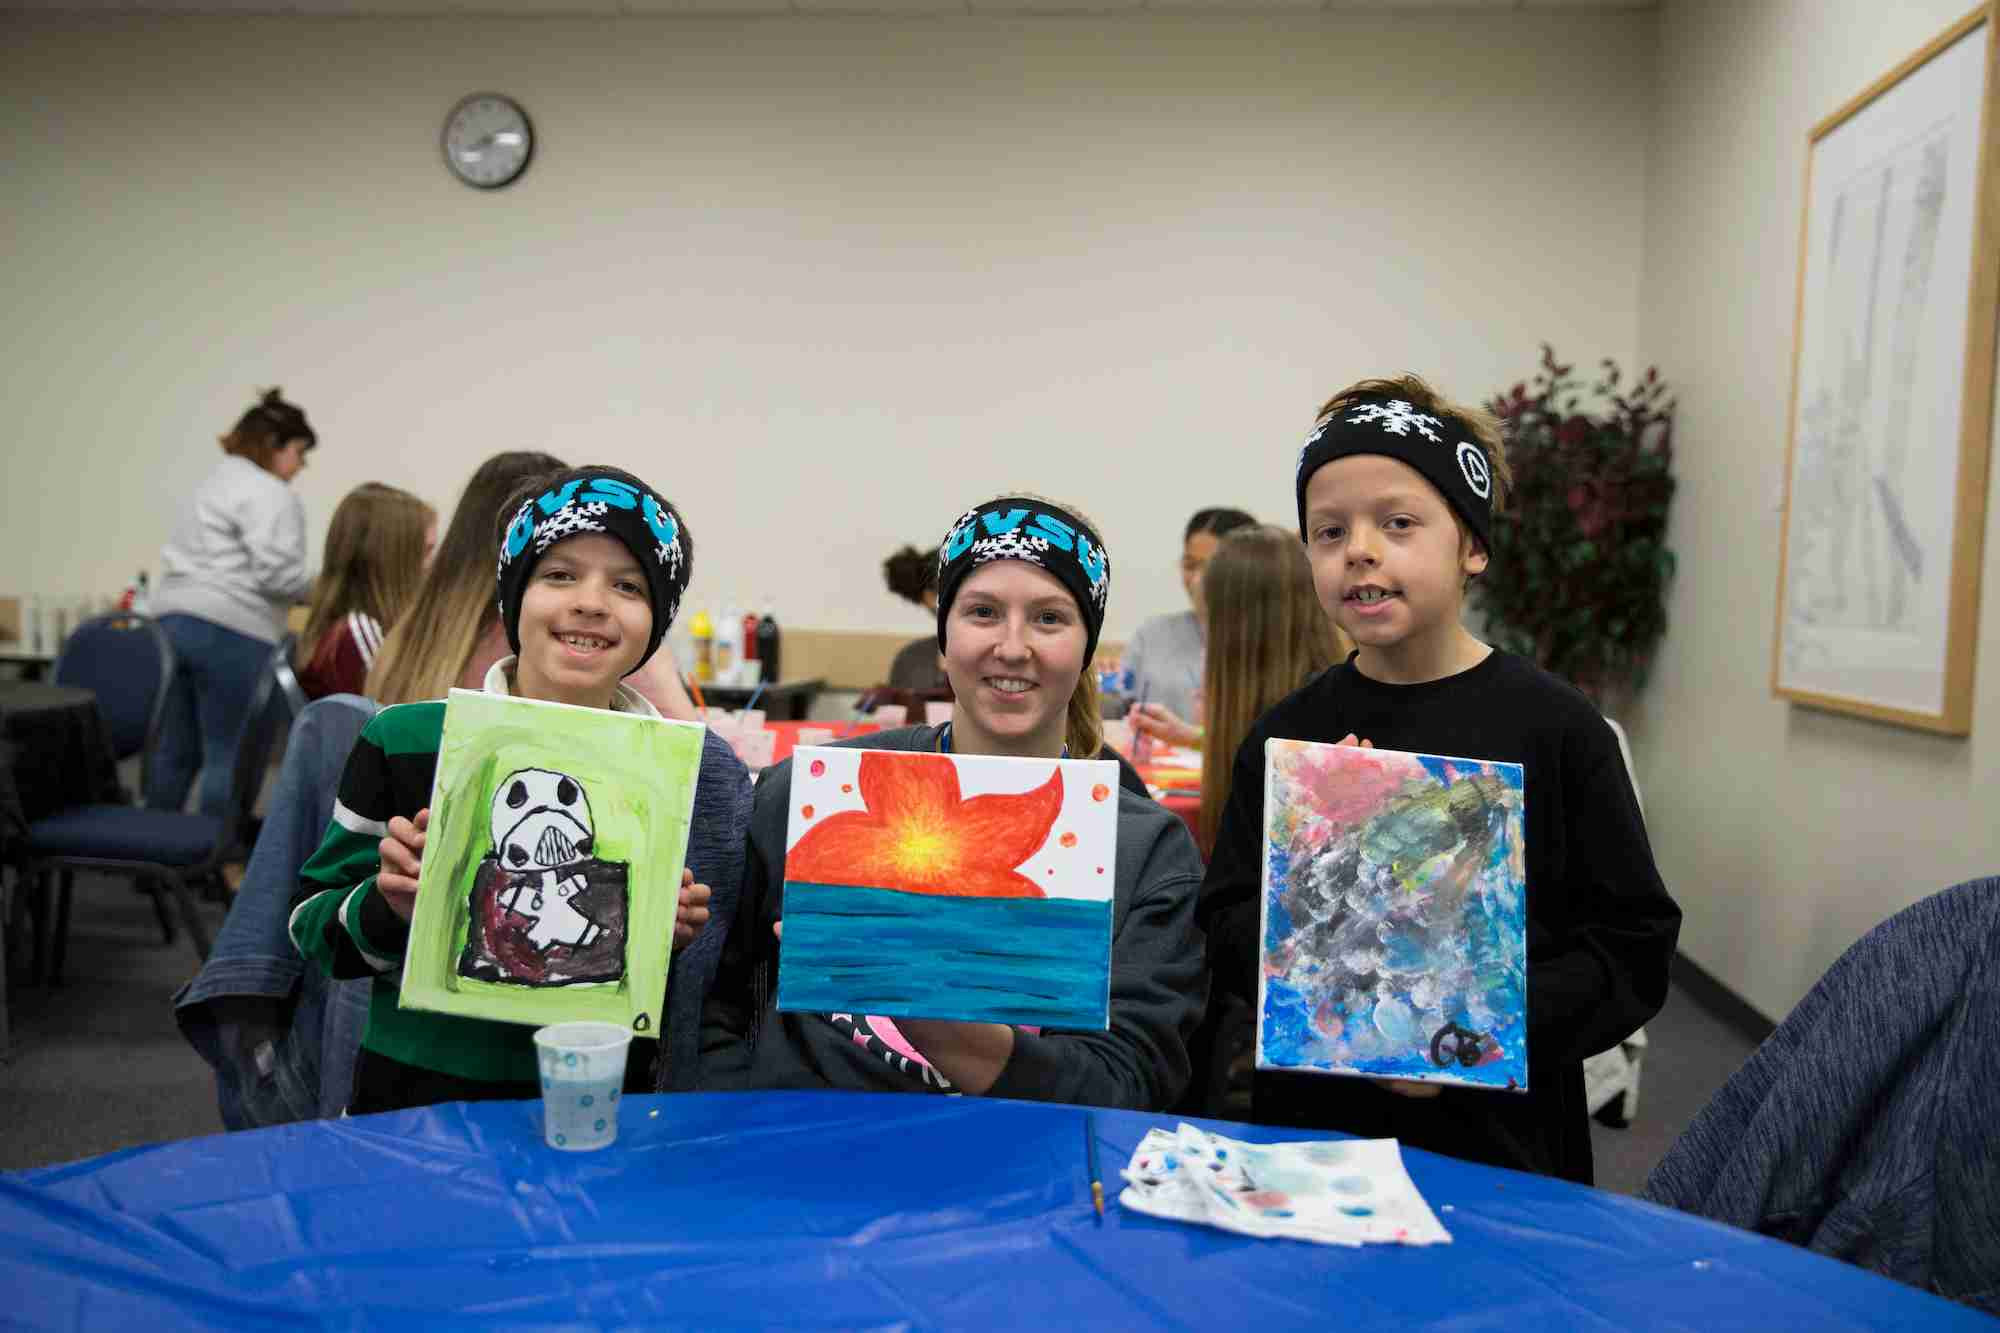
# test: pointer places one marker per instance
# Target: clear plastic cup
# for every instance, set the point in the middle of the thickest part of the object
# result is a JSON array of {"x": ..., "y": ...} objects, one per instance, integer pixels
[
  {"x": 814, "y": 736},
  {"x": 583, "y": 1071},
  {"x": 937, "y": 712},
  {"x": 889, "y": 715}
]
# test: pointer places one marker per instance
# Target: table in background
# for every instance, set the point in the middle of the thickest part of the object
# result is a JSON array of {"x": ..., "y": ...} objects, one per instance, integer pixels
[
  {"x": 828, "y": 1209},
  {"x": 27, "y": 665},
  {"x": 53, "y": 754},
  {"x": 61, "y": 755},
  {"x": 1176, "y": 778},
  {"x": 788, "y": 734},
  {"x": 785, "y": 700}
]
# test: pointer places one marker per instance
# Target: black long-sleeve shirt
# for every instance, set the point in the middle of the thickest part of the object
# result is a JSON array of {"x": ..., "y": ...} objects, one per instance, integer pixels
[{"x": 1601, "y": 926}]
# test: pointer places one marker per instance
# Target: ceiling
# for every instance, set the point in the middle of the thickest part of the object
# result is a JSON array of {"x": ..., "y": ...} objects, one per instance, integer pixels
[{"x": 612, "y": 8}]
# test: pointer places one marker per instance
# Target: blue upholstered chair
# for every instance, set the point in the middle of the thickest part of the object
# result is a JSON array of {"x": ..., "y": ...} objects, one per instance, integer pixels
[
  {"x": 160, "y": 847},
  {"x": 126, "y": 661}
]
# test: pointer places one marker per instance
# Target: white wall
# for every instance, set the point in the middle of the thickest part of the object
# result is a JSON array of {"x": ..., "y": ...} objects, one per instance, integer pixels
[
  {"x": 1785, "y": 833},
  {"x": 823, "y": 281}
]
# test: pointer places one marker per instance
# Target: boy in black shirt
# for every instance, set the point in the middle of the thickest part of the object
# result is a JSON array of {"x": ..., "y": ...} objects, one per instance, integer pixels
[{"x": 1396, "y": 491}]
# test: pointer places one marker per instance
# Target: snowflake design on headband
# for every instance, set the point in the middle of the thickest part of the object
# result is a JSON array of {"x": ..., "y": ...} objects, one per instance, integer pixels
[
  {"x": 1014, "y": 545},
  {"x": 1396, "y": 417},
  {"x": 1319, "y": 433},
  {"x": 568, "y": 522}
]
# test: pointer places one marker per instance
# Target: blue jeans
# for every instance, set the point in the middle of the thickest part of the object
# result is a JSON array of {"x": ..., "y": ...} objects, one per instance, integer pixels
[
  {"x": 215, "y": 673},
  {"x": 279, "y": 1035}
]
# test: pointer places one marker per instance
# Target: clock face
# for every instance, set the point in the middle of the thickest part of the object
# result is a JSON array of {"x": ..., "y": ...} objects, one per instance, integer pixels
[{"x": 488, "y": 140}]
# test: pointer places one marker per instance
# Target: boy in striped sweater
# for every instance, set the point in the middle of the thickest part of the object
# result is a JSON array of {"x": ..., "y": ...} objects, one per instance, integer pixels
[{"x": 592, "y": 567}]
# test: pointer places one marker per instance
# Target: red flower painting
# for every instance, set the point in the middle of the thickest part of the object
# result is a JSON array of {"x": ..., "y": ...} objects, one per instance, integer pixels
[{"x": 920, "y": 836}]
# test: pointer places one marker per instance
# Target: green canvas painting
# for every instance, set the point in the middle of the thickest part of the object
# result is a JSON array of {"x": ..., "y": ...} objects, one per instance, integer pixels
[{"x": 552, "y": 867}]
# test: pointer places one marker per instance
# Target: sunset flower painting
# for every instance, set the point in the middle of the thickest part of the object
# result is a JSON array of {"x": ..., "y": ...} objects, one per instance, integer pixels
[
  {"x": 964, "y": 887},
  {"x": 1395, "y": 916}
]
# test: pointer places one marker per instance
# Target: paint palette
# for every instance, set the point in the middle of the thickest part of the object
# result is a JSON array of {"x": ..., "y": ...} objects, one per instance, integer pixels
[
  {"x": 1394, "y": 941},
  {"x": 1335, "y": 1192}
]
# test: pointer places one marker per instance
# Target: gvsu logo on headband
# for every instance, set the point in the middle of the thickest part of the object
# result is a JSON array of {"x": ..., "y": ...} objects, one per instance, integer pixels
[
  {"x": 1473, "y": 464},
  {"x": 1022, "y": 534},
  {"x": 1045, "y": 526},
  {"x": 589, "y": 495}
]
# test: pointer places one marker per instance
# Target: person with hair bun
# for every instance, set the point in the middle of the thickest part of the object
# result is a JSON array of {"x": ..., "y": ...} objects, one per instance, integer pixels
[
  {"x": 230, "y": 572},
  {"x": 912, "y": 575}
]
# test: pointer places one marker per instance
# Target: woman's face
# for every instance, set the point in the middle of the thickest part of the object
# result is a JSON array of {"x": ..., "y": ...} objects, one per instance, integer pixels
[
  {"x": 1195, "y": 555},
  {"x": 289, "y": 460},
  {"x": 1014, "y": 644}
]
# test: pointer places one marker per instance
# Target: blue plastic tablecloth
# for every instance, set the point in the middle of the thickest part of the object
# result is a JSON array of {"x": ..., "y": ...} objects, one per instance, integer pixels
[{"x": 847, "y": 1210}]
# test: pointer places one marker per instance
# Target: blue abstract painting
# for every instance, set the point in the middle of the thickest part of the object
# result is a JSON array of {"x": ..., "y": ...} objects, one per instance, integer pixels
[{"x": 1394, "y": 939}]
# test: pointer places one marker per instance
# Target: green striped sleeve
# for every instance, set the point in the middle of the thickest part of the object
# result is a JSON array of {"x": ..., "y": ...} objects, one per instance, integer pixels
[{"x": 339, "y": 921}]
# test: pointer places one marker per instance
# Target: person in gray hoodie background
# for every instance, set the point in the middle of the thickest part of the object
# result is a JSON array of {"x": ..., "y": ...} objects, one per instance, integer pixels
[{"x": 229, "y": 574}]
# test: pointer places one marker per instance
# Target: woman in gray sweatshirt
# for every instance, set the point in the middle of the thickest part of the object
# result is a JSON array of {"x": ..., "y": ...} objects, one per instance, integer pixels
[{"x": 229, "y": 574}]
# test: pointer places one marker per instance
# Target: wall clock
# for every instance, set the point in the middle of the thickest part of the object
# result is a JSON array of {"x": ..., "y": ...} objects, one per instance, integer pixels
[{"x": 487, "y": 140}]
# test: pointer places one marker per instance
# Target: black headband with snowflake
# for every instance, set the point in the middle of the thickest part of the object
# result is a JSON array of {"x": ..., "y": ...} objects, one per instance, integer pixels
[
  {"x": 1044, "y": 535},
  {"x": 601, "y": 500},
  {"x": 1442, "y": 448}
]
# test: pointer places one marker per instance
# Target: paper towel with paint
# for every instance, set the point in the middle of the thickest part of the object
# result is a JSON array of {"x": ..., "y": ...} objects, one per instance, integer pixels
[{"x": 1333, "y": 1192}]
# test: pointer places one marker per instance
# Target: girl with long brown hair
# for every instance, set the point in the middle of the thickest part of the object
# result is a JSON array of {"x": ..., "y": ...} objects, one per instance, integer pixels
[
  {"x": 1266, "y": 637},
  {"x": 376, "y": 549},
  {"x": 451, "y": 632}
]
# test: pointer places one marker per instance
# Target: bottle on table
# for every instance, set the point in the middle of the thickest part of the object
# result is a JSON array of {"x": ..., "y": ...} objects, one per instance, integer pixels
[
  {"x": 728, "y": 644},
  {"x": 702, "y": 631},
  {"x": 767, "y": 643},
  {"x": 750, "y": 668}
]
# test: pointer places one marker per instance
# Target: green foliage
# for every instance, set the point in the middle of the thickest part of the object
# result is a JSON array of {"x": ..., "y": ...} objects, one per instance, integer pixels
[{"x": 1580, "y": 563}]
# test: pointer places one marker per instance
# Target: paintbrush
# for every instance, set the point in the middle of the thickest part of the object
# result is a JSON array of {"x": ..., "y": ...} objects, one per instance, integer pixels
[{"x": 1090, "y": 1159}]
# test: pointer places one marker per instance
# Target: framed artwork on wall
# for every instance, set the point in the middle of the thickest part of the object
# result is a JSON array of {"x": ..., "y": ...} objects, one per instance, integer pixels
[{"x": 1891, "y": 412}]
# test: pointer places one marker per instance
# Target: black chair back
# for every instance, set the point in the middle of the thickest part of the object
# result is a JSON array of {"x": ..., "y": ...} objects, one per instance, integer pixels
[{"x": 125, "y": 659}]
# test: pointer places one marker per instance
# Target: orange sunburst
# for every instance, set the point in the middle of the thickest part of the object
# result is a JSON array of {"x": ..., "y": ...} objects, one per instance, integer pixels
[{"x": 918, "y": 835}]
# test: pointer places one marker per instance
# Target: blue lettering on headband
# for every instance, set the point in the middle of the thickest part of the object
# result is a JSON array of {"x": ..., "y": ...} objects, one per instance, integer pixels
[
  {"x": 611, "y": 491},
  {"x": 958, "y": 543},
  {"x": 552, "y": 500},
  {"x": 520, "y": 530},
  {"x": 1058, "y": 532},
  {"x": 659, "y": 522},
  {"x": 1091, "y": 558},
  {"x": 999, "y": 527}
]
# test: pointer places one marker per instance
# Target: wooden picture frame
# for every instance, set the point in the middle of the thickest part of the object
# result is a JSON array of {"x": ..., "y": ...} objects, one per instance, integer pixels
[{"x": 1891, "y": 411}]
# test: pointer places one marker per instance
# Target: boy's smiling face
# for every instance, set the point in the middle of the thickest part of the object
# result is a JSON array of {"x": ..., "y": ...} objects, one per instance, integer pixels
[
  {"x": 1389, "y": 561},
  {"x": 586, "y": 616}
]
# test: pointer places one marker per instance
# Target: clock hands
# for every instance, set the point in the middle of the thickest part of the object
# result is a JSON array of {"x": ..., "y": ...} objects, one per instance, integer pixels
[{"x": 495, "y": 139}]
